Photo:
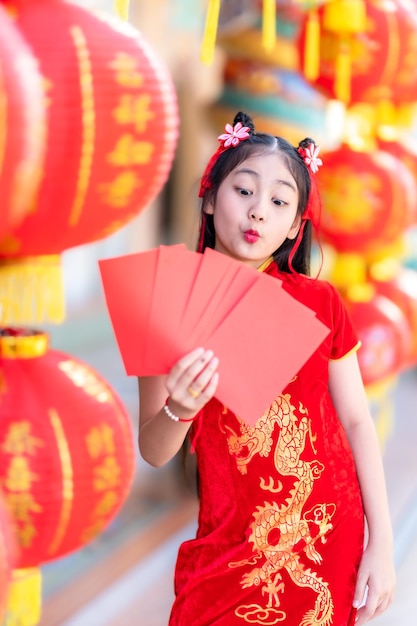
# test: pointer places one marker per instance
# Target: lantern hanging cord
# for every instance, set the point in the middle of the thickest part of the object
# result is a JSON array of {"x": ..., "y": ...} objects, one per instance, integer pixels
[
  {"x": 210, "y": 31},
  {"x": 121, "y": 8},
  {"x": 268, "y": 24},
  {"x": 212, "y": 20}
]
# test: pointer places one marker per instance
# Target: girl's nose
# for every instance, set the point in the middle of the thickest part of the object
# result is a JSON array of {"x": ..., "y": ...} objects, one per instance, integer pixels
[{"x": 256, "y": 214}]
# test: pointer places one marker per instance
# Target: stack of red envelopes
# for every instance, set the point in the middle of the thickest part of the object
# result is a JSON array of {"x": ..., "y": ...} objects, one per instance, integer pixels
[{"x": 165, "y": 302}]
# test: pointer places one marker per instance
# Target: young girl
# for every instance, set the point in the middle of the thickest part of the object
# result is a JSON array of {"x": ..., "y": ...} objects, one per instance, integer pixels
[{"x": 282, "y": 504}]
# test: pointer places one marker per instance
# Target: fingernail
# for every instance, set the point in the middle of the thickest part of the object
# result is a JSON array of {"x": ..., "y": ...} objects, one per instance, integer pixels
[{"x": 208, "y": 355}]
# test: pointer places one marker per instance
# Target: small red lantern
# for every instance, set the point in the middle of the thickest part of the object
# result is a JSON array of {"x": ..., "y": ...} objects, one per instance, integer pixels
[
  {"x": 369, "y": 199},
  {"x": 366, "y": 51},
  {"x": 404, "y": 152},
  {"x": 22, "y": 116},
  {"x": 384, "y": 334},
  {"x": 112, "y": 126},
  {"x": 402, "y": 290},
  {"x": 8, "y": 553},
  {"x": 66, "y": 448}
]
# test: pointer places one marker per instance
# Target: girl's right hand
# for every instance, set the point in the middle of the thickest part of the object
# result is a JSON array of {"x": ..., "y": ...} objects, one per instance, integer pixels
[{"x": 192, "y": 382}]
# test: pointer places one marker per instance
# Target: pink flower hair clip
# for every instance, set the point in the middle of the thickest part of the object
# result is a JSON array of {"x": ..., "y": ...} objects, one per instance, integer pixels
[
  {"x": 234, "y": 134},
  {"x": 310, "y": 156}
]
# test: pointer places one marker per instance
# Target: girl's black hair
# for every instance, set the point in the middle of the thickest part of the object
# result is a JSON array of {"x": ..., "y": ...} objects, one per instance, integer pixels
[{"x": 263, "y": 143}]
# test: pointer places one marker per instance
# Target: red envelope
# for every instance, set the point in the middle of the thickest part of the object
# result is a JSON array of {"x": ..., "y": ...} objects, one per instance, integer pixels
[
  {"x": 228, "y": 281},
  {"x": 174, "y": 280},
  {"x": 262, "y": 345},
  {"x": 165, "y": 302},
  {"x": 128, "y": 283},
  {"x": 214, "y": 276}
]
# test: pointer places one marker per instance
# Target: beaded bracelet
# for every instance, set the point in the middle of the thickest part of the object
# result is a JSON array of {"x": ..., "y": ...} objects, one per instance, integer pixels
[{"x": 172, "y": 415}]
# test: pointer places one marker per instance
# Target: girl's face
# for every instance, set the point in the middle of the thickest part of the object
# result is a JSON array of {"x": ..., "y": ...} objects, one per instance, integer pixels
[{"x": 255, "y": 209}]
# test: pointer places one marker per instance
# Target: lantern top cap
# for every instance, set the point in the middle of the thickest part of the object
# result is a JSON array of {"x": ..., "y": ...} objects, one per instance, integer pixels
[{"x": 22, "y": 343}]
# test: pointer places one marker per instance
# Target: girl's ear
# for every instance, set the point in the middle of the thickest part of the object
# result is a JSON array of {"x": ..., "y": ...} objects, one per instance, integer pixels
[
  {"x": 209, "y": 207},
  {"x": 293, "y": 232}
]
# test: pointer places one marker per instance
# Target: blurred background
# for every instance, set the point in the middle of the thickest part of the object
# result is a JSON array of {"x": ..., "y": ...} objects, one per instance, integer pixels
[{"x": 109, "y": 112}]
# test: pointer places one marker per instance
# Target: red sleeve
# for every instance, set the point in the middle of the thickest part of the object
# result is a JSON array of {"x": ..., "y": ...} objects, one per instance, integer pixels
[{"x": 345, "y": 339}]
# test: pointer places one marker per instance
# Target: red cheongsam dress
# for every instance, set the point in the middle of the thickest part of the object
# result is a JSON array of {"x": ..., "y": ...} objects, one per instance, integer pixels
[{"x": 281, "y": 524}]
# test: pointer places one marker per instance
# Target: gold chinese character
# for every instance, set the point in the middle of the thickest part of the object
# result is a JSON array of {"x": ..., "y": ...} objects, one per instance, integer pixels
[
  {"x": 100, "y": 441},
  {"x": 126, "y": 70},
  {"x": 134, "y": 110},
  {"x": 92, "y": 531},
  {"x": 22, "y": 506},
  {"x": 19, "y": 476},
  {"x": 26, "y": 534},
  {"x": 128, "y": 151},
  {"x": 106, "y": 475},
  {"x": 118, "y": 193},
  {"x": 106, "y": 504},
  {"x": 19, "y": 440}
]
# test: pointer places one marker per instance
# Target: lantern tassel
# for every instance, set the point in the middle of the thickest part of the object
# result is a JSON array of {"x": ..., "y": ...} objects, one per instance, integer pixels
[
  {"x": 343, "y": 72},
  {"x": 312, "y": 46},
  {"x": 346, "y": 19},
  {"x": 268, "y": 24},
  {"x": 121, "y": 8},
  {"x": 24, "y": 598},
  {"x": 210, "y": 32},
  {"x": 31, "y": 290}
]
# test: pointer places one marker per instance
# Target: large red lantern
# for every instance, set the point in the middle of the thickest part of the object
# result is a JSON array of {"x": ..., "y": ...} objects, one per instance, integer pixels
[
  {"x": 112, "y": 127},
  {"x": 66, "y": 448},
  {"x": 369, "y": 199},
  {"x": 366, "y": 51},
  {"x": 22, "y": 117},
  {"x": 384, "y": 334}
]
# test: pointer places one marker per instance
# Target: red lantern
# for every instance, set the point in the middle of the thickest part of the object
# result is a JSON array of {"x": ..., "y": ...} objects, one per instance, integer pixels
[
  {"x": 66, "y": 448},
  {"x": 405, "y": 153},
  {"x": 366, "y": 51},
  {"x": 384, "y": 334},
  {"x": 22, "y": 117},
  {"x": 8, "y": 553},
  {"x": 369, "y": 199},
  {"x": 402, "y": 290},
  {"x": 112, "y": 127}
]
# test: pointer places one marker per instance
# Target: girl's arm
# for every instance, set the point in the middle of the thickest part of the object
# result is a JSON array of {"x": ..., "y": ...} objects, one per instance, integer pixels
[
  {"x": 160, "y": 437},
  {"x": 376, "y": 571}
]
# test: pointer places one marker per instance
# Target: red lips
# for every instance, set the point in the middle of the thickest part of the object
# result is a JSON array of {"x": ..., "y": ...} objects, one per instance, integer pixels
[{"x": 251, "y": 236}]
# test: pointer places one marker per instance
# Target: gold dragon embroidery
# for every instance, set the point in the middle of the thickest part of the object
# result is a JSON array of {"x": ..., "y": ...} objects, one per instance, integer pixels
[{"x": 281, "y": 532}]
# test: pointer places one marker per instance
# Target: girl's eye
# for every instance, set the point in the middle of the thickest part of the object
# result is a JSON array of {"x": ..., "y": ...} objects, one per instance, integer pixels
[
  {"x": 279, "y": 202},
  {"x": 244, "y": 192}
]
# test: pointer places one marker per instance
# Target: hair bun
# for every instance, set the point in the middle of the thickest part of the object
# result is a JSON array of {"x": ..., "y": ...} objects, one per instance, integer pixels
[
  {"x": 305, "y": 143},
  {"x": 245, "y": 120}
]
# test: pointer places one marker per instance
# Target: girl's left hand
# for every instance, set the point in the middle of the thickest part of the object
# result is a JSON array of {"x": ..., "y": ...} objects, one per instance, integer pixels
[
  {"x": 192, "y": 382},
  {"x": 376, "y": 579}
]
